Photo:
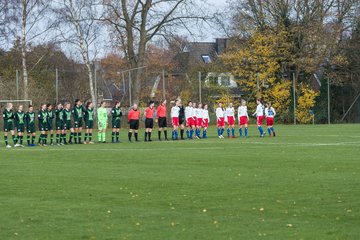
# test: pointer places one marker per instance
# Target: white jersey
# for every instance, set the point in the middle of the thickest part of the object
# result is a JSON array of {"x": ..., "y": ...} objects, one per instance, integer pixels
[
  {"x": 219, "y": 113},
  {"x": 188, "y": 112},
  {"x": 205, "y": 115},
  {"x": 259, "y": 110},
  {"x": 199, "y": 112},
  {"x": 270, "y": 112},
  {"x": 175, "y": 111},
  {"x": 242, "y": 112},
  {"x": 230, "y": 112}
]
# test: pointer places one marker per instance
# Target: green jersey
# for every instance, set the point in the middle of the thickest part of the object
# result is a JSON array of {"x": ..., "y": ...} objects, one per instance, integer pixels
[
  {"x": 50, "y": 115},
  {"x": 8, "y": 116},
  {"x": 89, "y": 115},
  {"x": 43, "y": 116},
  {"x": 30, "y": 118},
  {"x": 66, "y": 115},
  {"x": 102, "y": 115},
  {"x": 30, "y": 122},
  {"x": 59, "y": 115},
  {"x": 78, "y": 112},
  {"x": 19, "y": 118},
  {"x": 116, "y": 114}
]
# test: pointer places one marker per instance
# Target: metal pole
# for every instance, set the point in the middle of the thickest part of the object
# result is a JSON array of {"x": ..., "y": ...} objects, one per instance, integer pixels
[
  {"x": 328, "y": 93},
  {"x": 95, "y": 84},
  {"x": 163, "y": 75},
  {"x": 200, "y": 87},
  {"x": 123, "y": 79},
  {"x": 294, "y": 93},
  {"x": 130, "y": 88},
  {"x": 17, "y": 84},
  {"x": 57, "y": 85}
]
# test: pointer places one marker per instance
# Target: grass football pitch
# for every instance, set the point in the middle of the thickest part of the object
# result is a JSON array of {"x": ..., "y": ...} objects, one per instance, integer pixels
[{"x": 303, "y": 184}]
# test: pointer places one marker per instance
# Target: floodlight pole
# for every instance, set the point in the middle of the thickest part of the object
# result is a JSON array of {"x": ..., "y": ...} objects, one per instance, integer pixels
[
  {"x": 57, "y": 85},
  {"x": 130, "y": 88},
  {"x": 163, "y": 77},
  {"x": 17, "y": 84},
  {"x": 294, "y": 93},
  {"x": 95, "y": 84},
  {"x": 123, "y": 80},
  {"x": 328, "y": 93},
  {"x": 200, "y": 87}
]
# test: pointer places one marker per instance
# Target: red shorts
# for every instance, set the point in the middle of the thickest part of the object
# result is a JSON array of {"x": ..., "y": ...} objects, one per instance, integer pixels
[
  {"x": 175, "y": 121},
  {"x": 199, "y": 122},
  {"x": 243, "y": 120},
  {"x": 190, "y": 122},
  {"x": 231, "y": 120},
  {"x": 221, "y": 122},
  {"x": 269, "y": 121},
  {"x": 260, "y": 120},
  {"x": 206, "y": 123}
]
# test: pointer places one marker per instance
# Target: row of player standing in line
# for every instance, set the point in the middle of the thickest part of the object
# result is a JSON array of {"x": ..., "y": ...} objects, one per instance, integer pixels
[
  {"x": 66, "y": 118},
  {"x": 71, "y": 119},
  {"x": 194, "y": 117},
  {"x": 227, "y": 115}
]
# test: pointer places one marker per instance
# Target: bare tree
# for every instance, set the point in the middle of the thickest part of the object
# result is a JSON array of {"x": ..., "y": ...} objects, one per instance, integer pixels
[
  {"x": 32, "y": 26},
  {"x": 136, "y": 23},
  {"x": 78, "y": 26},
  {"x": 8, "y": 17}
]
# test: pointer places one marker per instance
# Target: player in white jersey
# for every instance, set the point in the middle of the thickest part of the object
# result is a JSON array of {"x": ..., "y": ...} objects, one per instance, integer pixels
[
  {"x": 175, "y": 119},
  {"x": 259, "y": 113},
  {"x": 270, "y": 115},
  {"x": 230, "y": 119},
  {"x": 243, "y": 118},
  {"x": 206, "y": 120},
  {"x": 190, "y": 121},
  {"x": 199, "y": 123},
  {"x": 220, "y": 120}
]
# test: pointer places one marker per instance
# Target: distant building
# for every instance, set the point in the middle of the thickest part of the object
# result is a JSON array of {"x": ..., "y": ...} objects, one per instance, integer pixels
[{"x": 195, "y": 54}]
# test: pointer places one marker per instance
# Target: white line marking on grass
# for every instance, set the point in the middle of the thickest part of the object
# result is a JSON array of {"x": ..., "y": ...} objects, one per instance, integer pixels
[{"x": 190, "y": 148}]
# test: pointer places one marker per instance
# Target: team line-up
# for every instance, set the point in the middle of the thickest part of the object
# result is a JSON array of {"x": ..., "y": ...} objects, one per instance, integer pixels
[{"x": 71, "y": 120}]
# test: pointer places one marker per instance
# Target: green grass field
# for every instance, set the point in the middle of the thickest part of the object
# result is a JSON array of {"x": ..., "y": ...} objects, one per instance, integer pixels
[{"x": 303, "y": 184}]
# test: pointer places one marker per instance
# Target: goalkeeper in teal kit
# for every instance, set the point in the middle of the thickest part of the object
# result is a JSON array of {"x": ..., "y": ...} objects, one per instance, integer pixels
[{"x": 102, "y": 122}]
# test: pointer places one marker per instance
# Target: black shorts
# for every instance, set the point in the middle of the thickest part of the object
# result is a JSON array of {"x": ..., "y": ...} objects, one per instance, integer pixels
[
  {"x": 149, "y": 123},
  {"x": 89, "y": 124},
  {"x": 181, "y": 120},
  {"x": 30, "y": 128},
  {"x": 59, "y": 125},
  {"x": 78, "y": 124},
  {"x": 116, "y": 123},
  {"x": 50, "y": 126},
  {"x": 134, "y": 124},
  {"x": 20, "y": 128},
  {"x": 43, "y": 127},
  {"x": 68, "y": 125},
  {"x": 8, "y": 126},
  {"x": 162, "y": 122}
]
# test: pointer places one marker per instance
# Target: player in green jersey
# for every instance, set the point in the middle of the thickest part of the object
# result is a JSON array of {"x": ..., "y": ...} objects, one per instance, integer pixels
[
  {"x": 43, "y": 125},
  {"x": 30, "y": 126},
  {"x": 78, "y": 113},
  {"x": 51, "y": 116},
  {"x": 59, "y": 125},
  {"x": 67, "y": 122},
  {"x": 20, "y": 125},
  {"x": 89, "y": 122},
  {"x": 8, "y": 116},
  {"x": 102, "y": 122},
  {"x": 116, "y": 122}
]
